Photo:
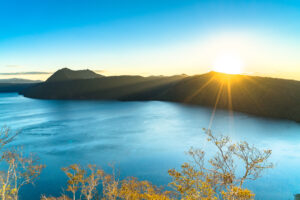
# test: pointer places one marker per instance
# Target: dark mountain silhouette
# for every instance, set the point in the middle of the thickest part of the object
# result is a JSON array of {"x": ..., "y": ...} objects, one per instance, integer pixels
[
  {"x": 14, "y": 87},
  {"x": 109, "y": 88},
  {"x": 68, "y": 74},
  {"x": 267, "y": 97},
  {"x": 16, "y": 84}
]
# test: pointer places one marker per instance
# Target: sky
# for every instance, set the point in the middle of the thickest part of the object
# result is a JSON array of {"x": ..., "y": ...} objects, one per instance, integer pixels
[{"x": 149, "y": 37}]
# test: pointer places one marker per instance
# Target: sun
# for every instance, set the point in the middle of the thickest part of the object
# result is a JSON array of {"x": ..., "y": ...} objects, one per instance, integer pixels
[{"x": 229, "y": 64}]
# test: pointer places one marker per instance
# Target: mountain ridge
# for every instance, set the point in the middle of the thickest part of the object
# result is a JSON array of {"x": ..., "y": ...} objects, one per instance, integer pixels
[
  {"x": 261, "y": 96},
  {"x": 68, "y": 74},
  {"x": 18, "y": 81}
]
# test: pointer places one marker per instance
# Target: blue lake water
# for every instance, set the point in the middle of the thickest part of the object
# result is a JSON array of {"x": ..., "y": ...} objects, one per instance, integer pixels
[{"x": 142, "y": 139}]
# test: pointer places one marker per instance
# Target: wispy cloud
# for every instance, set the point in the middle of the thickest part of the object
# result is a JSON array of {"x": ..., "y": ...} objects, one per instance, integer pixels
[{"x": 25, "y": 73}]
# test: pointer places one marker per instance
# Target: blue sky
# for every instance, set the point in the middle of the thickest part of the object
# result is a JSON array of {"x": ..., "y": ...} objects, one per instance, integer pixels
[{"x": 149, "y": 36}]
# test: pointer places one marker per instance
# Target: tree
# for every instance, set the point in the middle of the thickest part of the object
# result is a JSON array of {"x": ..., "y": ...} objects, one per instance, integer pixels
[
  {"x": 212, "y": 179},
  {"x": 131, "y": 189},
  {"x": 93, "y": 183},
  {"x": 201, "y": 179},
  {"x": 84, "y": 181},
  {"x": 217, "y": 177},
  {"x": 6, "y": 136},
  {"x": 18, "y": 170}
]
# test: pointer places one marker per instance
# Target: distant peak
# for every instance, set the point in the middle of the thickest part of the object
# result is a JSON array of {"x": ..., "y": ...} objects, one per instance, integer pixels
[
  {"x": 18, "y": 81},
  {"x": 65, "y": 68},
  {"x": 66, "y": 74}
]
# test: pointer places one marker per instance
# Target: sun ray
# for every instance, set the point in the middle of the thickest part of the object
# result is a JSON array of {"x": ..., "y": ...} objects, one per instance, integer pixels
[
  {"x": 249, "y": 94},
  {"x": 187, "y": 99},
  {"x": 216, "y": 104},
  {"x": 249, "y": 78},
  {"x": 230, "y": 106},
  {"x": 229, "y": 97}
]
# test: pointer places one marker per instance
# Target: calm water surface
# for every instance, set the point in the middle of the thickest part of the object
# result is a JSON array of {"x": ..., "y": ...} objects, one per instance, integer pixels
[{"x": 142, "y": 139}]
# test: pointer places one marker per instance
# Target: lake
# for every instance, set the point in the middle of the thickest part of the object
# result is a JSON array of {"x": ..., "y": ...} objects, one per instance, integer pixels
[{"x": 142, "y": 139}]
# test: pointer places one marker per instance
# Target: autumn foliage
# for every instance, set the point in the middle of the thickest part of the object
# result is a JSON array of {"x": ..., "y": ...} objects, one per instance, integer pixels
[
  {"x": 213, "y": 178},
  {"x": 18, "y": 169},
  {"x": 217, "y": 177}
]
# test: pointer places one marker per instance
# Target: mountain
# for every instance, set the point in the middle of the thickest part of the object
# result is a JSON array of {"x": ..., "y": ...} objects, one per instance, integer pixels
[
  {"x": 18, "y": 81},
  {"x": 15, "y": 87},
  {"x": 68, "y": 74},
  {"x": 261, "y": 96},
  {"x": 108, "y": 88},
  {"x": 16, "y": 84}
]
